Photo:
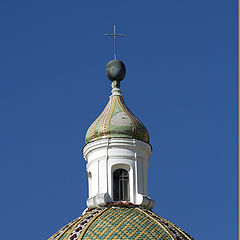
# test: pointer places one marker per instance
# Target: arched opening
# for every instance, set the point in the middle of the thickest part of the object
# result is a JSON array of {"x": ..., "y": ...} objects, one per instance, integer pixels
[{"x": 120, "y": 185}]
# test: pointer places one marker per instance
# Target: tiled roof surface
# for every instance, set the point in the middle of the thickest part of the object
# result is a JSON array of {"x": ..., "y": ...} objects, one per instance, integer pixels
[
  {"x": 120, "y": 222},
  {"x": 117, "y": 121}
]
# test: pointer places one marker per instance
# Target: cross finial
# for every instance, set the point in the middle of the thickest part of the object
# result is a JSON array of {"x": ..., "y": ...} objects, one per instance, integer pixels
[{"x": 114, "y": 36}]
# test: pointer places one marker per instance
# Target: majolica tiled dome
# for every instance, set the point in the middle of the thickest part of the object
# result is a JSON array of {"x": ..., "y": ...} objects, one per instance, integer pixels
[
  {"x": 117, "y": 121},
  {"x": 120, "y": 222}
]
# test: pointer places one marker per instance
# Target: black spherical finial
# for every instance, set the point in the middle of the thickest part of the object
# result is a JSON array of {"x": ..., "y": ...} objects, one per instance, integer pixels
[{"x": 116, "y": 70}]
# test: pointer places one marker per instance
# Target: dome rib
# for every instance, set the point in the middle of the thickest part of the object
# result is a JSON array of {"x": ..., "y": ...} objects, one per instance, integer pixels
[
  {"x": 63, "y": 231},
  {"x": 161, "y": 225},
  {"x": 90, "y": 222},
  {"x": 73, "y": 230},
  {"x": 106, "y": 121}
]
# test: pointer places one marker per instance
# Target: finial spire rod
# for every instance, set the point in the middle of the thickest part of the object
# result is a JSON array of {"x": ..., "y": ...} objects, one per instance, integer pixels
[{"x": 115, "y": 41}]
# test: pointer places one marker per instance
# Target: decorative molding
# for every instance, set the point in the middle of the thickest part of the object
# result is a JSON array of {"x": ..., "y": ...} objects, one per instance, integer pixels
[{"x": 99, "y": 200}]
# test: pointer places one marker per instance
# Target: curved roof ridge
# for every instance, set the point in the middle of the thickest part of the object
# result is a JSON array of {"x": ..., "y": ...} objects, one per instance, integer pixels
[
  {"x": 174, "y": 226},
  {"x": 64, "y": 229},
  {"x": 172, "y": 237},
  {"x": 102, "y": 210},
  {"x": 74, "y": 225}
]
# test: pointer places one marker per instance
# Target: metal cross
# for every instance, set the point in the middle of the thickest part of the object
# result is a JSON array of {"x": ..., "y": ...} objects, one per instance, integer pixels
[{"x": 114, "y": 36}]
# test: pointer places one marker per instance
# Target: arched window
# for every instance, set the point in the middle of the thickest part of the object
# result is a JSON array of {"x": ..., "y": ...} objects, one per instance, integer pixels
[{"x": 120, "y": 185}]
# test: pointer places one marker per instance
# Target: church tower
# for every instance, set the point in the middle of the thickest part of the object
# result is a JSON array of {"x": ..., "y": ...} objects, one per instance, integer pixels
[{"x": 117, "y": 151}]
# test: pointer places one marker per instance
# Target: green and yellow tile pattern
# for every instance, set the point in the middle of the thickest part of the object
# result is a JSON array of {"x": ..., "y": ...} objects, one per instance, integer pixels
[
  {"x": 120, "y": 222},
  {"x": 117, "y": 121}
]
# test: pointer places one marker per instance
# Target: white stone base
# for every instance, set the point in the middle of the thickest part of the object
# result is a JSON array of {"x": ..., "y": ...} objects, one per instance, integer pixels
[{"x": 99, "y": 200}]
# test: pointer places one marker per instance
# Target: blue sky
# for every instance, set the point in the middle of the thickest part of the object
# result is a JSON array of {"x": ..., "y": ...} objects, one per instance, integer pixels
[{"x": 181, "y": 82}]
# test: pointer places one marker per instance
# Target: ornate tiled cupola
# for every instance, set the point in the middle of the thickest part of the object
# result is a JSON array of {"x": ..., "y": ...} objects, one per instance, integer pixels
[{"x": 117, "y": 151}]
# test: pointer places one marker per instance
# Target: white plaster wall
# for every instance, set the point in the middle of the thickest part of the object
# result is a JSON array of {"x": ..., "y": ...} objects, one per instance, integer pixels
[{"x": 106, "y": 155}]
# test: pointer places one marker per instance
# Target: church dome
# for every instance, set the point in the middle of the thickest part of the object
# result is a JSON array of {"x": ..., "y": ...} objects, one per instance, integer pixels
[
  {"x": 117, "y": 121},
  {"x": 120, "y": 222},
  {"x": 117, "y": 151}
]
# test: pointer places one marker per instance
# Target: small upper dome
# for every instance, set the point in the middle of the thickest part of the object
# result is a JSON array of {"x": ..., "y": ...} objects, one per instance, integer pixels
[{"x": 116, "y": 120}]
